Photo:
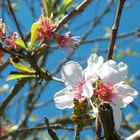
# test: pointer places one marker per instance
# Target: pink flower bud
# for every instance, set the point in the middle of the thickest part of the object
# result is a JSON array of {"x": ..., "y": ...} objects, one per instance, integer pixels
[
  {"x": 46, "y": 29},
  {"x": 66, "y": 41},
  {"x": 10, "y": 41}
]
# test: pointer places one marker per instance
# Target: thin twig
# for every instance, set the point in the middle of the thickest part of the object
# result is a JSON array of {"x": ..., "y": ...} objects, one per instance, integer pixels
[
  {"x": 50, "y": 130},
  {"x": 16, "y": 22},
  {"x": 20, "y": 84},
  {"x": 75, "y": 12},
  {"x": 105, "y": 38},
  {"x": 115, "y": 29}
]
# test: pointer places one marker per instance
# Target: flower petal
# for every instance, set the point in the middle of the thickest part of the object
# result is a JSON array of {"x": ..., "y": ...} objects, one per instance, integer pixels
[
  {"x": 94, "y": 64},
  {"x": 123, "y": 68},
  {"x": 87, "y": 90},
  {"x": 64, "y": 99},
  {"x": 123, "y": 95},
  {"x": 72, "y": 73},
  {"x": 117, "y": 114},
  {"x": 111, "y": 73}
]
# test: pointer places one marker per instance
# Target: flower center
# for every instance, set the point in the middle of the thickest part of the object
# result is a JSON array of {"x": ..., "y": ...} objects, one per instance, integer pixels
[{"x": 104, "y": 92}]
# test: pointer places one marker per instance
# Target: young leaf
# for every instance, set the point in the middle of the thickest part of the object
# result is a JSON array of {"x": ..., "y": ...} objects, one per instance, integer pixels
[
  {"x": 34, "y": 33},
  {"x": 65, "y": 5},
  {"x": 22, "y": 67},
  {"x": 27, "y": 75},
  {"x": 49, "y": 4},
  {"x": 20, "y": 43}
]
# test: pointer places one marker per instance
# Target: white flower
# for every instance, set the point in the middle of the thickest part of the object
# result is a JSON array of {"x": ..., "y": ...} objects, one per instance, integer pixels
[
  {"x": 111, "y": 85},
  {"x": 78, "y": 83}
]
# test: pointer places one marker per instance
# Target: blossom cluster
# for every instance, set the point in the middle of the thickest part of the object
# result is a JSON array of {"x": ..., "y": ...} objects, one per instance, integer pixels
[
  {"x": 104, "y": 81},
  {"x": 8, "y": 41},
  {"x": 47, "y": 29}
]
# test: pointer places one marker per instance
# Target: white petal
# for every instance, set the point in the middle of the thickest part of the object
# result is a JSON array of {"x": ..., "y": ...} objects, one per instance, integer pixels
[
  {"x": 123, "y": 68},
  {"x": 72, "y": 73},
  {"x": 111, "y": 73},
  {"x": 94, "y": 64},
  {"x": 87, "y": 90},
  {"x": 117, "y": 114},
  {"x": 123, "y": 95},
  {"x": 64, "y": 99}
]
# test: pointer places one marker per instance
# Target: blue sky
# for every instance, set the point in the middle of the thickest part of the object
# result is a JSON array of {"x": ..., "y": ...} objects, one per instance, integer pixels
[{"x": 130, "y": 21}]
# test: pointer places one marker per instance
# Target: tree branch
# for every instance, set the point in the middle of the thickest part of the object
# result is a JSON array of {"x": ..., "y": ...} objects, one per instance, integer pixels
[
  {"x": 50, "y": 130},
  {"x": 115, "y": 29},
  {"x": 135, "y": 136},
  {"x": 12, "y": 94},
  {"x": 16, "y": 22},
  {"x": 98, "y": 128},
  {"x": 106, "y": 117},
  {"x": 75, "y": 12}
]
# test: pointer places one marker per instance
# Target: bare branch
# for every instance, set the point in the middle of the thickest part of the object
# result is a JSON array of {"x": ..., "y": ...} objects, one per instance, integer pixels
[
  {"x": 50, "y": 130},
  {"x": 106, "y": 116},
  {"x": 16, "y": 22},
  {"x": 75, "y": 12},
  {"x": 12, "y": 94},
  {"x": 115, "y": 29}
]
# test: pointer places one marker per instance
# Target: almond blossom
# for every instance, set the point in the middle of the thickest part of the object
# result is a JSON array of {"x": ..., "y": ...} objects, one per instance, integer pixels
[
  {"x": 46, "y": 28},
  {"x": 105, "y": 81},
  {"x": 2, "y": 53},
  {"x": 78, "y": 85},
  {"x": 111, "y": 86},
  {"x": 2, "y": 29},
  {"x": 10, "y": 41},
  {"x": 66, "y": 41}
]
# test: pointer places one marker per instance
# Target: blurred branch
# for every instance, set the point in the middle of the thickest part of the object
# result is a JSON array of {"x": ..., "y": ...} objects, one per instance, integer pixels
[
  {"x": 135, "y": 136},
  {"x": 19, "y": 84},
  {"x": 50, "y": 130},
  {"x": 75, "y": 12},
  {"x": 104, "y": 38}
]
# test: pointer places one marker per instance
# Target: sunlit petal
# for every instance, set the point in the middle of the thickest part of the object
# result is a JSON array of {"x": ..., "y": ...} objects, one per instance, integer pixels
[
  {"x": 111, "y": 73},
  {"x": 124, "y": 95},
  {"x": 72, "y": 73},
  {"x": 64, "y": 99}
]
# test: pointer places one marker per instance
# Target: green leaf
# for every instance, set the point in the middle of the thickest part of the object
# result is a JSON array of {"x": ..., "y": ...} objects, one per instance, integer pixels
[
  {"x": 21, "y": 67},
  {"x": 26, "y": 75},
  {"x": 49, "y": 4},
  {"x": 34, "y": 33},
  {"x": 20, "y": 43},
  {"x": 65, "y": 5}
]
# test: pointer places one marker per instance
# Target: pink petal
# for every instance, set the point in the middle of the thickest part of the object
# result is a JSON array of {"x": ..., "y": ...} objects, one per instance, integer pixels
[{"x": 123, "y": 95}]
